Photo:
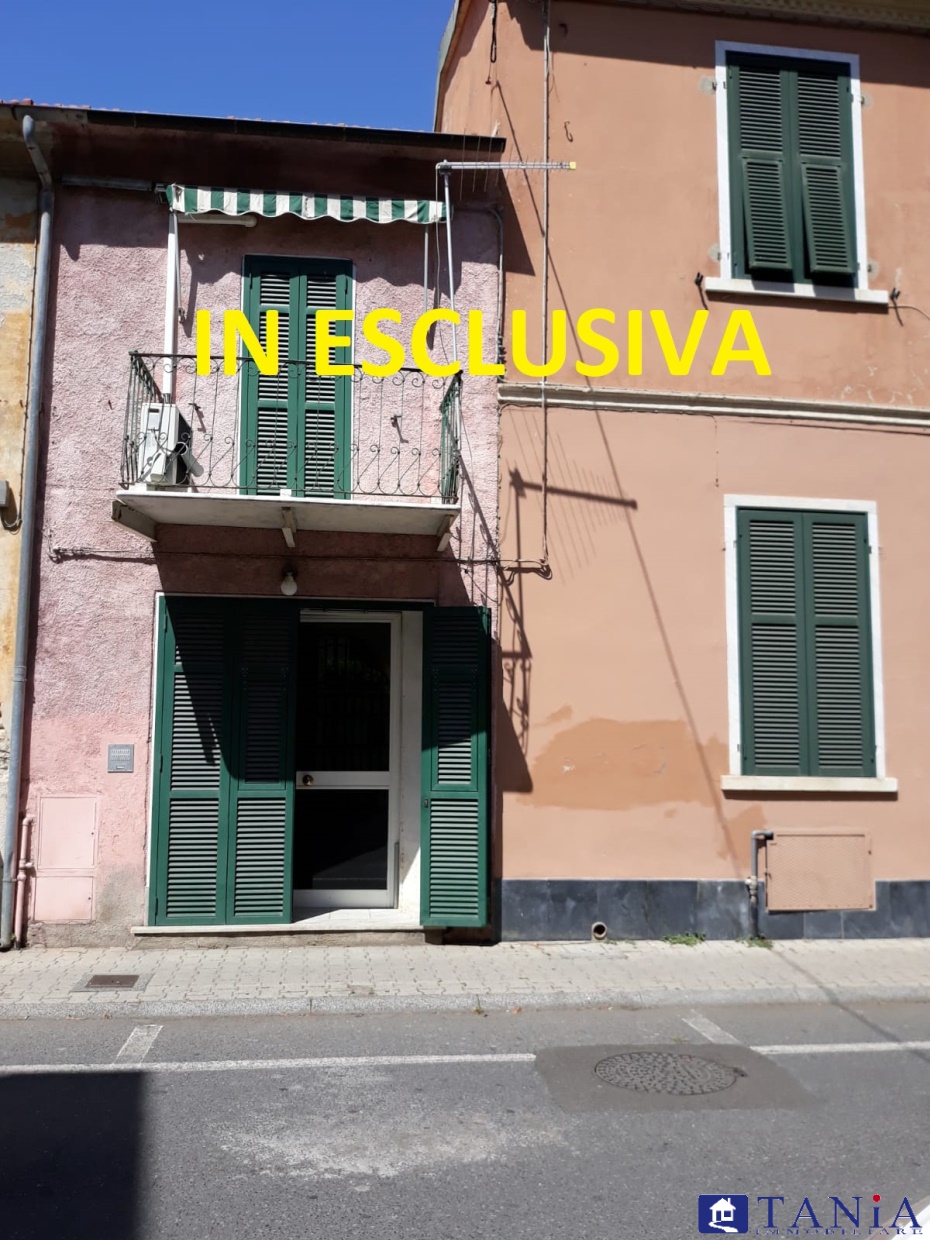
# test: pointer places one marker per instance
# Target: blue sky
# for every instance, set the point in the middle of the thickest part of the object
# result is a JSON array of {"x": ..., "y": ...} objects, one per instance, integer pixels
[{"x": 357, "y": 62}]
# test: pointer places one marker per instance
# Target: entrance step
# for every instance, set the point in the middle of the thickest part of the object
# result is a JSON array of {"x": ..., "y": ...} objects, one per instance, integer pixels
[{"x": 278, "y": 936}]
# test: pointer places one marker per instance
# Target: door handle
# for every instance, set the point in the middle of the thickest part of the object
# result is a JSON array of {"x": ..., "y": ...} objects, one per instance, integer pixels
[{"x": 306, "y": 780}]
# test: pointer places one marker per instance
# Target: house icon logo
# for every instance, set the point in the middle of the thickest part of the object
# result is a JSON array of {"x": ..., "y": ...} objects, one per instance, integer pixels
[{"x": 729, "y": 1213}]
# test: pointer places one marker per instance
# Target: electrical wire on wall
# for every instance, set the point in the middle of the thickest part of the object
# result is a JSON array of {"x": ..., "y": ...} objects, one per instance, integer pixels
[
  {"x": 547, "y": 65},
  {"x": 492, "y": 58},
  {"x": 542, "y": 565}
]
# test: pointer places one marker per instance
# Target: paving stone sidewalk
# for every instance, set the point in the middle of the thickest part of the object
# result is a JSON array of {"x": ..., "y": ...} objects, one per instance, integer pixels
[{"x": 247, "y": 980}]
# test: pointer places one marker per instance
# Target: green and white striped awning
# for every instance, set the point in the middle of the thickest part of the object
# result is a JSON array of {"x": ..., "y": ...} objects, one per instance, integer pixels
[{"x": 197, "y": 200}]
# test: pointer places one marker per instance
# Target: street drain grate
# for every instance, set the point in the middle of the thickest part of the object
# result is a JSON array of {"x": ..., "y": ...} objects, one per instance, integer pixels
[
  {"x": 657, "y": 1072},
  {"x": 112, "y": 981}
]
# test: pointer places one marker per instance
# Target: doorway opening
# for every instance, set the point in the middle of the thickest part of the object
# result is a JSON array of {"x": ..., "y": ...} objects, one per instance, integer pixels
[{"x": 347, "y": 758}]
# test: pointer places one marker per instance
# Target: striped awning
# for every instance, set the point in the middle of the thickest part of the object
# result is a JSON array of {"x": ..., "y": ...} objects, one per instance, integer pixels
[{"x": 198, "y": 200}]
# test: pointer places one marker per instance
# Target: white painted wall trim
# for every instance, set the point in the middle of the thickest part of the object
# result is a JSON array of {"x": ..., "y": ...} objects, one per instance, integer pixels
[
  {"x": 804, "y": 783},
  {"x": 735, "y": 780},
  {"x": 811, "y": 292},
  {"x": 722, "y": 48},
  {"x": 653, "y": 400}
]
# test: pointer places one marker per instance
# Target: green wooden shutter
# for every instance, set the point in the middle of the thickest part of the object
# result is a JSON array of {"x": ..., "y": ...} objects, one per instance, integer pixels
[
  {"x": 759, "y": 164},
  {"x": 223, "y": 813},
  {"x": 774, "y": 707},
  {"x": 805, "y": 644},
  {"x": 839, "y": 644},
  {"x": 325, "y": 400},
  {"x": 296, "y": 424},
  {"x": 792, "y": 196},
  {"x": 454, "y": 848},
  {"x": 825, "y": 157},
  {"x": 262, "y": 778},
  {"x": 192, "y": 786},
  {"x": 269, "y": 451}
]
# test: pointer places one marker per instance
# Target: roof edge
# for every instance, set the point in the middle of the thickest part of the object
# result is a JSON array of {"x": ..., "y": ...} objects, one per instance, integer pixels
[
  {"x": 348, "y": 134},
  {"x": 447, "y": 44}
]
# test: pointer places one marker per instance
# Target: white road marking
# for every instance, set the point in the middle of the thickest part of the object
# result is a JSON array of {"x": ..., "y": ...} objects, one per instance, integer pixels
[
  {"x": 263, "y": 1065},
  {"x": 707, "y": 1029},
  {"x": 138, "y": 1044},
  {"x": 395, "y": 1061},
  {"x": 839, "y": 1048}
]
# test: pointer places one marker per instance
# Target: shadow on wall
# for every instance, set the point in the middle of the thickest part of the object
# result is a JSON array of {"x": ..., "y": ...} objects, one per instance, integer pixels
[
  {"x": 629, "y": 763},
  {"x": 71, "y": 1156}
]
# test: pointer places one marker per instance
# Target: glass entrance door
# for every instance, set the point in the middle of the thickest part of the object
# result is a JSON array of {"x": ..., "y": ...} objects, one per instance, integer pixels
[{"x": 347, "y": 742}]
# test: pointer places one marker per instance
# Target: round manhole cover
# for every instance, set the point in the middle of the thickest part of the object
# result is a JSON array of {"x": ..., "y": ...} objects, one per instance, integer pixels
[{"x": 658, "y": 1072}]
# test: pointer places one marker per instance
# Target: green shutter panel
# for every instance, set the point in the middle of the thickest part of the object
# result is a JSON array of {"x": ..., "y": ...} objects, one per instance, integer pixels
[
  {"x": 840, "y": 665},
  {"x": 825, "y": 155},
  {"x": 193, "y": 732},
  {"x": 268, "y": 446},
  {"x": 454, "y": 849},
  {"x": 758, "y": 164},
  {"x": 324, "y": 431},
  {"x": 262, "y": 784},
  {"x": 296, "y": 424},
  {"x": 774, "y": 707}
]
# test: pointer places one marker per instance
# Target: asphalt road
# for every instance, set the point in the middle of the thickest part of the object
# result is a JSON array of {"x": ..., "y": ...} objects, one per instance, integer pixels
[{"x": 458, "y": 1126}]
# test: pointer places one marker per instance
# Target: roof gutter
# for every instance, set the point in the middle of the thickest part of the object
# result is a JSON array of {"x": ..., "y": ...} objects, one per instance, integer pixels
[{"x": 27, "y": 530}]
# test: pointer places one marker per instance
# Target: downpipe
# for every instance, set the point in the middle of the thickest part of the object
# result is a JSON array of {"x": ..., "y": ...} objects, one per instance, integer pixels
[
  {"x": 26, "y": 868},
  {"x": 27, "y": 530},
  {"x": 752, "y": 883}
]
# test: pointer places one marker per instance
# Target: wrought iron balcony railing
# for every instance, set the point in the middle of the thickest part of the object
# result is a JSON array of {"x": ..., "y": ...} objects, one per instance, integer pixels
[{"x": 297, "y": 432}]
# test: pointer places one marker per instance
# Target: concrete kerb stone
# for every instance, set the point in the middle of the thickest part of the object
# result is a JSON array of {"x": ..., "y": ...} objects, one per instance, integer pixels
[{"x": 142, "y": 1008}]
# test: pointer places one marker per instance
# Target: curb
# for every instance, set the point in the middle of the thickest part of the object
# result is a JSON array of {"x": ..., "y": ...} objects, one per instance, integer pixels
[{"x": 141, "y": 1007}]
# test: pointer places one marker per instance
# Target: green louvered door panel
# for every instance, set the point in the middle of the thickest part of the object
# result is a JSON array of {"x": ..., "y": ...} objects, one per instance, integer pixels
[
  {"x": 825, "y": 155},
  {"x": 792, "y": 198},
  {"x": 839, "y": 644},
  {"x": 805, "y": 644},
  {"x": 454, "y": 845},
  {"x": 192, "y": 786},
  {"x": 296, "y": 424},
  {"x": 325, "y": 399},
  {"x": 270, "y": 450},
  {"x": 259, "y": 887},
  {"x": 223, "y": 813}
]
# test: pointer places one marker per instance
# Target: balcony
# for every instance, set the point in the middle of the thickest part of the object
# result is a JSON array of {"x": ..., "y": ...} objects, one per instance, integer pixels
[{"x": 292, "y": 451}]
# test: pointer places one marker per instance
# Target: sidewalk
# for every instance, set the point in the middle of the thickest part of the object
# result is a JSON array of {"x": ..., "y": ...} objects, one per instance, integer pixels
[{"x": 235, "y": 980}]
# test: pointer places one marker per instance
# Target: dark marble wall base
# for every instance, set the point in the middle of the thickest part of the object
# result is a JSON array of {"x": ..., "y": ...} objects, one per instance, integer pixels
[{"x": 539, "y": 909}]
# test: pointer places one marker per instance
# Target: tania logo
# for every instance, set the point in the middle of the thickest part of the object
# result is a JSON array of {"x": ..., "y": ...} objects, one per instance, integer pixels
[
  {"x": 678, "y": 361},
  {"x": 728, "y": 1213}
]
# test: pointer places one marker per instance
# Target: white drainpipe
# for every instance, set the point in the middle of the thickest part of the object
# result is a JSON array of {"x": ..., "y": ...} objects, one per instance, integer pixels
[{"x": 171, "y": 309}]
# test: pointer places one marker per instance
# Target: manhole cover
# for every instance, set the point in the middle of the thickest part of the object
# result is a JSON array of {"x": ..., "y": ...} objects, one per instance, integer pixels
[
  {"x": 112, "y": 981},
  {"x": 657, "y": 1072}
]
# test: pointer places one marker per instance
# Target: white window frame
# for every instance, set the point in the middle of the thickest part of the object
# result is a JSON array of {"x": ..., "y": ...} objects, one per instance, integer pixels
[
  {"x": 726, "y": 282},
  {"x": 736, "y": 781}
]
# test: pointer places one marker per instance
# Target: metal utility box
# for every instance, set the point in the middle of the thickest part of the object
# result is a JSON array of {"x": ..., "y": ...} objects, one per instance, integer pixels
[{"x": 810, "y": 871}]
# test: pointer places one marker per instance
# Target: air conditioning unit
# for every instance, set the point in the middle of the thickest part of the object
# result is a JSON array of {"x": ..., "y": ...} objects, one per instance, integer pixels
[{"x": 165, "y": 438}]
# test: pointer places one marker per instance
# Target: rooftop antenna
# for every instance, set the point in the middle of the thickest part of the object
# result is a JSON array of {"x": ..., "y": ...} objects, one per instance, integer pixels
[{"x": 445, "y": 169}]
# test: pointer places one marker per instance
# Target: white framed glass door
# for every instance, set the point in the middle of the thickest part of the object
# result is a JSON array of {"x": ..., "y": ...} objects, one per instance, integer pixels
[{"x": 347, "y": 754}]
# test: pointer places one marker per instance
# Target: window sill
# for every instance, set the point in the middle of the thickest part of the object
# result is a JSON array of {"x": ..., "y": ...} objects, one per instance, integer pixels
[
  {"x": 805, "y": 783},
  {"x": 808, "y": 292}
]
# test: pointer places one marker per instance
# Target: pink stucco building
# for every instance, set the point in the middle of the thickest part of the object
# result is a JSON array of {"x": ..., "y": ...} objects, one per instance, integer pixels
[{"x": 265, "y": 604}]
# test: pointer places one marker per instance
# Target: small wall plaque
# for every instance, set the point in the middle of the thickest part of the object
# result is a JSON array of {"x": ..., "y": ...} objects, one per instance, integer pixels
[{"x": 120, "y": 758}]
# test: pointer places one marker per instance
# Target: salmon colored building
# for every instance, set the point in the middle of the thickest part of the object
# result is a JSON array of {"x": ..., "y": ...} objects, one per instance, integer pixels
[{"x": 713, "y": 613}]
